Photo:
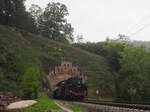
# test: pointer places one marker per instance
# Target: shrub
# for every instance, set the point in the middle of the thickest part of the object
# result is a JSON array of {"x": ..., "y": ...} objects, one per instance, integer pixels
[
  {"x": 30, "y": 83},
  {"x": 7, "y": 85},
  {"x": 1, "y": 80},
  {"x": 2, "y": 59}
]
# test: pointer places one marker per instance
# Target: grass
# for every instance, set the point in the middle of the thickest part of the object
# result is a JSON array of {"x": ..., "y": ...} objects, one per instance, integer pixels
[
  {"x": 102, "y": 99},
  {"x": 24, "y": 50},
  {"x": 85, "y": 60},
  {"x": 73, "y": 107},
  {"x": 76, "y": 108},
  {"x": 44, "y": 103}
]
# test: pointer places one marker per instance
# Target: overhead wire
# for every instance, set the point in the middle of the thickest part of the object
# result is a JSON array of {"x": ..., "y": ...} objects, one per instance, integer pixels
[
  {"x": 140, "y": 21},
  {"x": 139, "y": 24},
  {"x": 132, "y": 34}
]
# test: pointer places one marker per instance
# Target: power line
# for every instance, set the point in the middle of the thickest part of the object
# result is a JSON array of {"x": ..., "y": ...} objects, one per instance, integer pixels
[
  {"x": 132, "y": 34},
  {"x": 139, "y": 22}
]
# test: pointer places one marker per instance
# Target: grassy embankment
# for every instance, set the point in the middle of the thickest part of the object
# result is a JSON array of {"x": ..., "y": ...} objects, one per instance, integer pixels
[
  {"x": 43, "y": 103},
  {"x": 20, "y": 50}
]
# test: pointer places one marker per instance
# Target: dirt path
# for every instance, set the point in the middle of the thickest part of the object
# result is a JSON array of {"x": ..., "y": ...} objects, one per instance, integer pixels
[{"x": 21, "y": 104}]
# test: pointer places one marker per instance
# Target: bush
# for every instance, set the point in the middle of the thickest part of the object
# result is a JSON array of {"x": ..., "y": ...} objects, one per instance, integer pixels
[
  {"x": 17, "y": 64},
  {"x": 7, "y": 85},
  {"x": 1, "y": 80},
  {"x": 30, "y": 83},
  {"x": 2, "y": 59}
]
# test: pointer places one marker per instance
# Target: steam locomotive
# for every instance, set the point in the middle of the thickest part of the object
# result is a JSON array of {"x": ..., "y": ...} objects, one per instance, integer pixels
[{"x": 71, "y": 89}]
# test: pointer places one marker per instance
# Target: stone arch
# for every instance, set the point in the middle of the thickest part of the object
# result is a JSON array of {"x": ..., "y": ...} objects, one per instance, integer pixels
[{"x": 64, "y": 71}]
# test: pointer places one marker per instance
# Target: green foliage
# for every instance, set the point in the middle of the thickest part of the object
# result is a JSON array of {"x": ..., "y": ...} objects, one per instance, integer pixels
[
  {"x": 52, "y": 22},
  {"x": 7, "y": 85},
  {"x": 101, "y": 99},
  {"x": 108, "y": 49},
  {"x": 129, "y": 65},
  {"x": 3, "y": 55},
  {"x": 43, "y": 103},
  {"x": 1, "y": 80},
  {"x": 17, "y": 65},
  {"x": 35, "y": 11},
  {"x": 43, "y": 74},
  {"x": 2, "y": 59},
  {"x": 76, "y": 108},
  {"x": 112, "y": 54},
  {"x": 134, "y": 74},
  {"x": 50, "y": 52},
  {"x": 30, "y": 83},
  {"x": 26, "y": 49},
  {"x": 97, "y": 48},
  {"x": 13, "y": 13},
  {"x": 135, "y": 60},
  {"x": 18, "y": 52}
]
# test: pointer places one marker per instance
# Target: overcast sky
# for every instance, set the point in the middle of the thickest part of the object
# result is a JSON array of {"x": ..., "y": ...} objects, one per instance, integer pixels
[{"x": 98, "y": 19}]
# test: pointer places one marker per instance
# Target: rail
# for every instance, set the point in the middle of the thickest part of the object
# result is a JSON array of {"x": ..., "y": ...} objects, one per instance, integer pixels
[{"x": 124, "y": 105}]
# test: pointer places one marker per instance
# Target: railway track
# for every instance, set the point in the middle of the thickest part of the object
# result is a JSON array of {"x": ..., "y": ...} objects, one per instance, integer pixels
[{"x": 123, "y": 105}]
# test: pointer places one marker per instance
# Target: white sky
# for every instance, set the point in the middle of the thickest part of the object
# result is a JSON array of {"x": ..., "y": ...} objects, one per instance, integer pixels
[{"x": 98, "y": 19}]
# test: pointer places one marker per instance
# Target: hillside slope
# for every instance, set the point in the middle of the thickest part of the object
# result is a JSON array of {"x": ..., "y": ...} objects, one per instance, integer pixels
[{"x": 20, "y": 50}]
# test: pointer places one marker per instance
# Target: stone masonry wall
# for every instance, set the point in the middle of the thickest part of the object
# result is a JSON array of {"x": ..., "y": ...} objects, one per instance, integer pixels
[{"x": 64, "y": 71}]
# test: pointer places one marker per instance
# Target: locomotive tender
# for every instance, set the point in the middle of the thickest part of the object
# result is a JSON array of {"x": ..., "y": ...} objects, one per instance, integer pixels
[{"x": 71, "y": 89}]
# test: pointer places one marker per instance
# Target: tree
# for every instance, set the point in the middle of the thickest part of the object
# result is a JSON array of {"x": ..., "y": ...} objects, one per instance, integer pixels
[
  {"x": 13, "y": 13},
  {"x": 134, "y": 74},
  {"x": 29, "y": 85},
  {"x": 7, "y": 11},
  {"x": 28, "y": 23},
  {"x": 36, "y": 12},
  {"x": 52, "y": 23},
  {"x": 112, "y": 54},
  {"x": 79, "y": 39},
  {"x": 10, "y": 10}
]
